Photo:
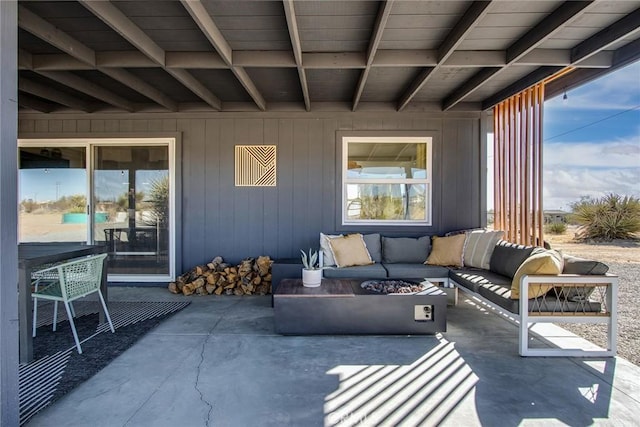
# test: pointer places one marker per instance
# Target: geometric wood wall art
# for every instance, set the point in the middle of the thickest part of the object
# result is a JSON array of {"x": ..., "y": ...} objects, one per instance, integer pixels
[{"x": 255, "y": 166}]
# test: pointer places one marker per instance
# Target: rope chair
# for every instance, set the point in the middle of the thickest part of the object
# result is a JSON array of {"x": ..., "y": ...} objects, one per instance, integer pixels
[{"x": 75, "y": 279}]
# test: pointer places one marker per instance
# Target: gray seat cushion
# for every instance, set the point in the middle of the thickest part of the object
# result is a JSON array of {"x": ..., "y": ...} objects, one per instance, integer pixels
[
  {"x": 414, "y": 271},
  {"x": 474, "y": 278},
  {"x": 372, "y": 271},
  {"x": 497, "y": 289}
]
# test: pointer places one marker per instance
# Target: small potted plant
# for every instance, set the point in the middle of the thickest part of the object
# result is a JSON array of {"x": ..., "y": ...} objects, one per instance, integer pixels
[{"x": 311, "y": 273}]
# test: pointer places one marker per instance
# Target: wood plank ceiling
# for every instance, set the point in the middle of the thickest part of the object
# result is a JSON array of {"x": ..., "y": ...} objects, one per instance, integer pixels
[{"x": 207, "y": 55}]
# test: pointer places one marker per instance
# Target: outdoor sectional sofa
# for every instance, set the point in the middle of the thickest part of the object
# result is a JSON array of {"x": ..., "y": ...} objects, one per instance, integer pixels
[{"x": 582, "y": 293}]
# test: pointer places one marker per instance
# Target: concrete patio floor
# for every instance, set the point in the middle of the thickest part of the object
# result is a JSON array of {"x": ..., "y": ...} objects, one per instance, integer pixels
[{"x": 218, "y": 362}]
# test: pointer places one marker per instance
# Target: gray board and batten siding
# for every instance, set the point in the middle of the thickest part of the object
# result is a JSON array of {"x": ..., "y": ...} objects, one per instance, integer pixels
[{"x": 217, "y": 218}]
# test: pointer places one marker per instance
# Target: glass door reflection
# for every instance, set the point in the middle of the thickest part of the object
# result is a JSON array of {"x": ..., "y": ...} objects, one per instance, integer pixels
[
  {"x": 131, "y": 186},
  {"x": 53, "y": 194}
]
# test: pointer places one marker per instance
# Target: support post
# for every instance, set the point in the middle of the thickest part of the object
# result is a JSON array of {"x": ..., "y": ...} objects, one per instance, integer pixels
[{"x": 9, "y": 411}]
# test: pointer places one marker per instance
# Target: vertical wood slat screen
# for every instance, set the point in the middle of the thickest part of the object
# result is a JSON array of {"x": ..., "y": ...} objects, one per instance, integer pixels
[{"x": 517, "y": 127}]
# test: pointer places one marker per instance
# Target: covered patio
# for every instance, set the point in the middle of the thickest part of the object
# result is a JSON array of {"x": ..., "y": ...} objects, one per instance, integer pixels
[
  {"x": 219, "y": 362},
  {"x": 303, "y": 77}
]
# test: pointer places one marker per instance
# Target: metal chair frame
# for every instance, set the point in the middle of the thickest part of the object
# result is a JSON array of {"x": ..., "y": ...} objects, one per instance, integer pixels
[{"x": 67, "y": 282}]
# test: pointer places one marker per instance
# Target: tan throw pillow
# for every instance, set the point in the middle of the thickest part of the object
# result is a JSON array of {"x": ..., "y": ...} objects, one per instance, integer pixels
[
  {"x": 479, "y": 247},
  {"x": 327, "y": 255},
  {"x": 540, "y": 262},
  {"x": 350, "y": 250},
  {"x": 447, "y": 251}
]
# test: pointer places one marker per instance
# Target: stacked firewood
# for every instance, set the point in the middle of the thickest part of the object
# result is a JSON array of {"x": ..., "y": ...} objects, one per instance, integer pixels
[{"x": 250, "y": 277}]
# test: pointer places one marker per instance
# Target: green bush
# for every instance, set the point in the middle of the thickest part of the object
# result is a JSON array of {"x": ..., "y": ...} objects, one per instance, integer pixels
[
  {"x": 612, "y": 217},
  {"x": 555, "y": 228}
]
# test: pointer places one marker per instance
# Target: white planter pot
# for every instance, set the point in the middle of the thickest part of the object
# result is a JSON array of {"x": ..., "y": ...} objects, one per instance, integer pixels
[{"x": 311, "y": 278}]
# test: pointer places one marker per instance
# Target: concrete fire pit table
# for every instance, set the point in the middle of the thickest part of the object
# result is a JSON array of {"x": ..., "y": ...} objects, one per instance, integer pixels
[{"x": 342, "y": 306}]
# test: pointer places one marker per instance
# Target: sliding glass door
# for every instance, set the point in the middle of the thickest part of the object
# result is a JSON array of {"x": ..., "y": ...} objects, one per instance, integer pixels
[
  {"x": 131, "y": 189},
  {"x": 53, "y": 194},
  {"x": 113, "y": 193}
]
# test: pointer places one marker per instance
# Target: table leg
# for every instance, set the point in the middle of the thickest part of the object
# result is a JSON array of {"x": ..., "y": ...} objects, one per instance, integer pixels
[{"x": 25, "y": 305}]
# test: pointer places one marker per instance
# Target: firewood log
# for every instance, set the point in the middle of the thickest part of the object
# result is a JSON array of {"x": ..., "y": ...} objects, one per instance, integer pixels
[
  {"x": 187, "y": 289},
  {"x": 198, "y": 283},
  {"x": 173, "y": 288}
]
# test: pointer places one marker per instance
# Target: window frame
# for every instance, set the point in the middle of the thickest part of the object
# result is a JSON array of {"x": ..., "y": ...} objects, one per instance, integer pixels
[{"x": 427, "y": 181}]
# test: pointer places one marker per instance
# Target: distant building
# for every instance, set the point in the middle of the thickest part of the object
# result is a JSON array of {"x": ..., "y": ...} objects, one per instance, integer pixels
[{"x": 555, "y": 216}]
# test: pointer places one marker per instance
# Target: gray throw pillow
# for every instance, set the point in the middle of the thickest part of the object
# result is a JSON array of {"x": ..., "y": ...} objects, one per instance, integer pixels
[
  {"x": 405, "y": 249},
  {"x": 575, "y": 265},
  {"x": 507, "y": 257},
  {"x": 374, "y": 246}
]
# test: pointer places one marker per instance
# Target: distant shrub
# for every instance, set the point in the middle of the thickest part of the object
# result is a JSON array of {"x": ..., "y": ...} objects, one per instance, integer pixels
[
  {"x": 612, "y": 217},
  {"x": 555, "y": 228}
]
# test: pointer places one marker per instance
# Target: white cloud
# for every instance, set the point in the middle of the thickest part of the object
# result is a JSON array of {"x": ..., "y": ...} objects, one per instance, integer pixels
[
  {"x": 576, "y": 169},
  {"x": 564, "y": 185},
  {"x": 624, "y": 153}
]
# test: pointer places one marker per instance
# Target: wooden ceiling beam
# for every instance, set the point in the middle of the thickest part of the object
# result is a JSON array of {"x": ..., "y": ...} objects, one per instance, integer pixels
[
  {"x": 405, "y": 58},
  {"x": 316, "y": 60},
  {"x": 627, "y": 54},
  {"x": 194, "y": 85},
  {"x": 124, "y": 59},
  {"x": 625, "y": 27},
  {"x": 47, "y": 32},
  {"x": 294, "y": 36},
  {"x": 121, "y": 24},
  {"x": 197, "y": 60},
  {"x": 522, "y": 84},
  {"x": 563, "y": 15},
  {"x": 333, "y": 60},
  {"x": 469, "y": 20},
  {"x": 85, "y": 86},
  {"x": 80, "y": 57},
  {"x": 54, "y": 95},
  {"x": 27, "y": 101},
  {"x": 469, "y": 86},
  {"x": 381, "y": 22},
  {"x": 140, "y": 86},
  {"x": 25, "y": 60},
  {"x": 210, "y": 30},
  {"x": 264, "y": 58}
]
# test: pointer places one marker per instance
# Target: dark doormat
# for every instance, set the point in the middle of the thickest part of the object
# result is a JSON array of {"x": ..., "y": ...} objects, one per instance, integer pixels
[{"x": 57, "y": 367}]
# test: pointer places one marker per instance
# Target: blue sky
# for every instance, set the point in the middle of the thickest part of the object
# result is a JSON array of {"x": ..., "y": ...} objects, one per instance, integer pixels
[{"x": 592, "y": 140}]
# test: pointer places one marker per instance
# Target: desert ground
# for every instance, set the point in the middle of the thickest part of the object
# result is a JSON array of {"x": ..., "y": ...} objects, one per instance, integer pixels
[{"x": 623, "y": 259}]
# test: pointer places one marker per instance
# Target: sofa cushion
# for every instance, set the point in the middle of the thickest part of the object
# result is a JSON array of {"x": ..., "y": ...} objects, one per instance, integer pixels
[
  {"x": 371, "y": 271},
  {"x": 541, "y": 261},
  {"x": 374, "y": 246},
  {"x": 415, "y": 271},
  {"x": 479, "y": 248},
  {"x": 447, "y": 251},
  {"x": 497, "y": 289},
  {"x": 327, "y": 255},
  {"x": 507, "y": 257},
  {"x": 405, "y": 249},
  {"x": 575, "y": 265},
  {"x": 473, "y": 278},
  {"x": 350, "y": 250}
]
